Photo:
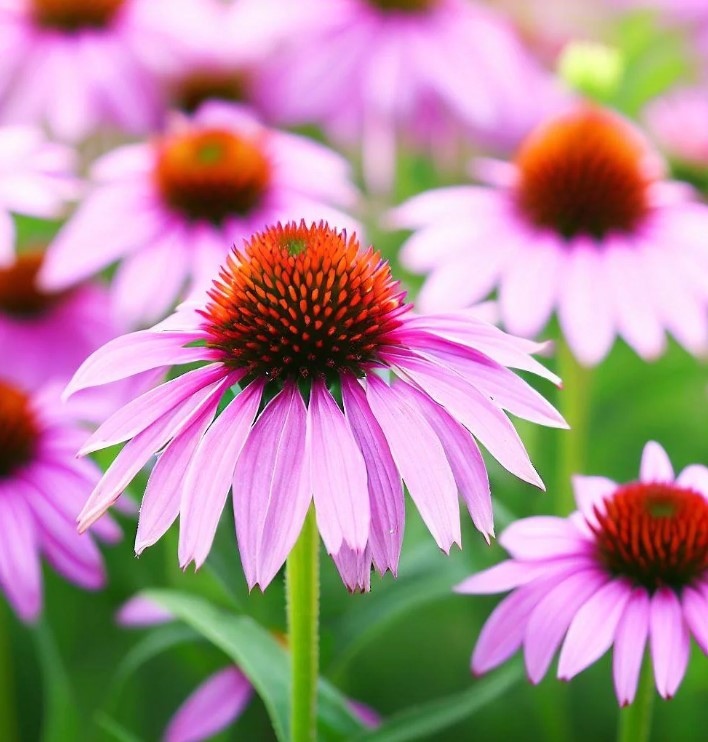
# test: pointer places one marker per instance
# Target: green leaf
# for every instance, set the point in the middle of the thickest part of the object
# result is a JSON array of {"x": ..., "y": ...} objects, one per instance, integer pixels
[
  {"x": 114, "y": 730},
  {"x": 264, "y": 661},
  {"x": 60, "y": 720},
  {"x": 430, "y": 718}
]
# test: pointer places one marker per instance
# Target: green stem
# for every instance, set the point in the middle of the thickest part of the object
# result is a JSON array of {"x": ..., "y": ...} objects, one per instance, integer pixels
[
  {"x": 574, "y": 405},
  {"x": 8, "y": 708},
  {"x": 303, "y": 596},
  {"x": 635, "y": 720}
]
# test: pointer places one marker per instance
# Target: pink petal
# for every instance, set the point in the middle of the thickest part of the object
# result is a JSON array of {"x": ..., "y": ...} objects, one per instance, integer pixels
[
  {"x": 215, "y": 704},
  {"x": 211, "y": 472},
  {"x": 338, "y": 474},
  {"x": 591, "y": 493},
  {"x": 655, "y": 466},
  {"x": 354, "y": 568},
  {"x": 551, "y": 618},
  {"x": 271, "y": 488},
  {"x": 543, "y": 537},
  {"x": 421, "y": 459},
  {"x": 695, "y": 611},
  {"x": 630, "y": 641},
  {"x": 384, "y": 481},
  {"x": 668, "y": 640},
  {"x": 694, "y": 477},
  {"x": 592, "y": 631},
  {"x": 7, "y": 239},
  {"x": 139, "y": 612}
]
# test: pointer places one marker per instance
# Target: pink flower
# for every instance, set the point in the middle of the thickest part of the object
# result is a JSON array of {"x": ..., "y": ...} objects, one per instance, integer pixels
[
  {"x": 36, "y": 179},
  {"x": 629, "y": 567},
  {"x": 42, "y": 487},
  {"x": 79, "y": 65},
  {"x": 298, "y": 313},
  {"x": 676, "y": 121},
  {"x": 369, "y": 70},
  {"x": 220, "y": 699},
  {"x": 581, "y": 222},
  {"x": 173, "y": 208}
]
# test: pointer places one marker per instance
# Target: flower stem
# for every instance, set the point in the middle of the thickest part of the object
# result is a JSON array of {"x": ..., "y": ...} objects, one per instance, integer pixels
[
  {"x": 303, "y": 596},
  {"x": 8, "y": 707},
  {"x": 575, "y": 406},
  {"x": 635, "y": 720}
]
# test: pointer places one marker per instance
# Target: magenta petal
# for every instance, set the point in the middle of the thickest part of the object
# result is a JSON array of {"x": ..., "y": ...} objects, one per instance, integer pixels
[
  {"x": 630, "y": 641},
  {"x": 384, "y": 481},
  {"x": 20, "y": 572},
  {"x": 695, "y": 611},
  {"x": 140, "y": 612},
  {"x": 655, "y": 466},
  {"x": 591, "y": 493},
  {"x": 163, "y": 493},
  {"x": 337, "y": 473},
  {"x": 592, "y": 631},
  {"x": 669, "y": 641},
  {"x": 354, "y": 568},
  {"x": 551, "y": 618},
  {"x": 543, "y": 537},
  {"x": 215, "y": 704},
  {"x": 211, "y": 472},
  {"x": 271, "y": 488},
  {"x": 464, "y": 457},
  {"x": 132, "y": 354},
  {"x": 421, "y": 459},
  {"x": 143, "y": 411}
]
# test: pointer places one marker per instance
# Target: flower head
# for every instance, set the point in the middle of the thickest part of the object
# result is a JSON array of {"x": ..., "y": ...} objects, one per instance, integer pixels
[
  {"x": 370, "y": 71},
  {"x": 36, "y": 179},
  {"x": 42, "y": 487},
  {"x": 172, "y": 208},
  {"x": 630, "y": 567},
  {"x": 581, "y": 222},
  {"x": 310, "y": 326},
  {"x": 78, "y": 65}
]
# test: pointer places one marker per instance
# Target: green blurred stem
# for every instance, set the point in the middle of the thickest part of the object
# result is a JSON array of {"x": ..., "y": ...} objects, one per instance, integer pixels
[
  {"x": 8, "y": 709},
  {"x": 635, "y": 720},
  {"x": 574, "y": 405},
  {"x": 303, "y": 598}
]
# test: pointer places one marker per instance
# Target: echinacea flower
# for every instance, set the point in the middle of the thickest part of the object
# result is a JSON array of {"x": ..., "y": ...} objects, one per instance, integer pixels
[
  {"x": 172, "y": 209},
  {"x": 310, "y": 326},
  {"x": 42, "y": 487},
  {"x": 77, "y": 65},
  {"x": 581, "y": 222},
  {"x": 36, "y": 179},
  {"x": 630, "y": 567},
  {"x": 370, "y": 71},
  {"x": 217, "y": 702}
]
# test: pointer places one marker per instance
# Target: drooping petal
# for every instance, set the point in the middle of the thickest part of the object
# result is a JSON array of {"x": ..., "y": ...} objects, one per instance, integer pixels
[
  {"x": 384, "y": 481},
  {"x": 543, "y": 537},
  {"x": 695, "y": 611},
  {"x": 211, "y": 472},
  {"x": 630, "y": 641},
  {"x": 668, "y": 640},
  {"x": 592, "y": 631},
  {"x": 337, "y": 474},
  {"x": 271, "y": 488},
  {"x": 655, "y": 466},
  {"x": 215, "y": 704},
  {"x": 421, "y": 459},
  {"x": 354, "y": 568}
]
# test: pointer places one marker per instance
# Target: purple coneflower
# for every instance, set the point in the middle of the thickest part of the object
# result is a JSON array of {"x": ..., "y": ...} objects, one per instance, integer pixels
[
  {"x": 370, "y": 70},
  {"x": 171, "y": 209},
  {"x": 77, "y": 65},
  {"x": 42, "y": 487},
  {"x": 581, "y": 222},
  {"x": 311, "y": 327},
  {"x": 629, "y": 567},
  {"x": 36, "y": 179}
]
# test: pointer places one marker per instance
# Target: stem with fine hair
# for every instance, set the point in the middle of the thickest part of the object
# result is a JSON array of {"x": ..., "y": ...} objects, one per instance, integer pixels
[
  {"x": 575, "y": 407},
  {"x": 303, "y": 596},
  {"x": 635, "y": 720}
]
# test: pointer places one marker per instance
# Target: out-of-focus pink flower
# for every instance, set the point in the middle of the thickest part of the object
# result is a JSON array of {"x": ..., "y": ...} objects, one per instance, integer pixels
[
  {"x": 677, "y": 123},
  {"x": 371, "y": 70},
  {"x": 305, "y": 309},
  {"x": 42, "y": 488},
  {"x": 629, "y": 567},
  {"x": 36, "y": 179},
  {"x": 77, "y": 65},
  {"x": 220, "y": 699},
  {"x": 582, "y": 222},
  {"x": 171, "y": 209}
]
